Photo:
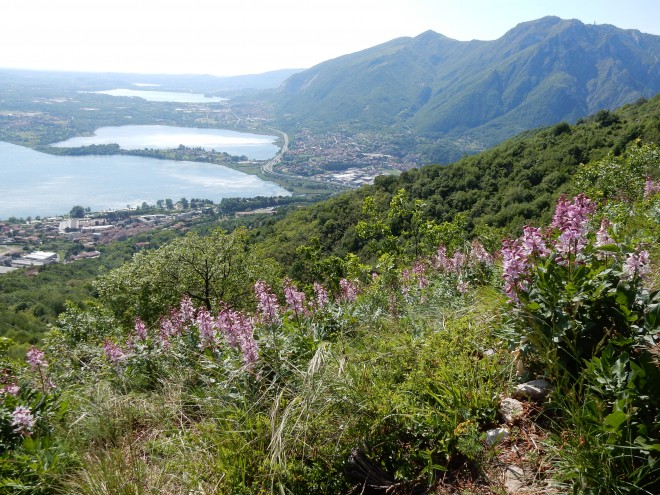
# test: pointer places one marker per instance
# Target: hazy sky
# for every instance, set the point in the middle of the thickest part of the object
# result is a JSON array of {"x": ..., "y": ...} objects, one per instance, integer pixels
[{"x": 230, "y": 37}]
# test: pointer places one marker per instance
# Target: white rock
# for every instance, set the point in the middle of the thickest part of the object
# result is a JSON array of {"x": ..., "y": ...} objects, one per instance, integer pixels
[
  {"x": 510, "y": 409},
  {"x": 496, "y": 435},
  {"x": 536, "y": 390},
  {"x": 514, "y": 479}
]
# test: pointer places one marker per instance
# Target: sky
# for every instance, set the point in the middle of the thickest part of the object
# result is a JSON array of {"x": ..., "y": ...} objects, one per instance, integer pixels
[{"x": 232, "y": 37}]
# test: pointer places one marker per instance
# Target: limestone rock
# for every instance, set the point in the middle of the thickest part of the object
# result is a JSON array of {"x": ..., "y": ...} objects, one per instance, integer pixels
[
  {"x": 510, "y": 409},
  {"x": 514, "y": 479},
  {"x": 536, "y": 390},
  {"x": 496, "y": 435}
]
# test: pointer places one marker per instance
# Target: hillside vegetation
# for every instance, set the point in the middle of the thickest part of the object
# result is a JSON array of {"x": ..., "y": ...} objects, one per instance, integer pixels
[
  {"x": 369, "y": 344},
  {"x": 496, "y": 191}
]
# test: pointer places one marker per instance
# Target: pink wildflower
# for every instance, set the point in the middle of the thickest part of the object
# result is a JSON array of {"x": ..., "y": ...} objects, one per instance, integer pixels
[
  {"x": 249, "y": 348},
  {"x": 636, "y": 264},
  {"x": 23, "y": 420},
  {"x": 419, "y": 269},
  {"x": 266, "y": 302},
  {"x": 321, "y": 295},
  {"x": 295, "y": 299},
  {"x": 571, "y": 219},
  {"x": 651, "y": 187},
  {"x": 238, "y": 330},
  {"x": 140, "y": 329},
  {"x": 463, "y": 287},
  {"x": 11, "y": 389},
  {"x": 348, "y": 291},
  {"x": 440, "y": 261},
  {"x": 172, "y": 325},
  {"x": 479, "y": 254},
  {"x": 36, "y": 358},
  {"x": 206, "y": 327},
  {"x": 405, "y": 281},
  {"x": 113, "y": 352},
  {"x": 458, "y": 261},
  {"x": 514, "y": 266},
  {"x": 603, "y": 236},
  {"x": 533, "y": 243},
  {"x": 187, "y": 310}
]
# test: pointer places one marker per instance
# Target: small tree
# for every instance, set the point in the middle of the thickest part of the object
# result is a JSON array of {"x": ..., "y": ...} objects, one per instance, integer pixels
[
  {"x": 77, "y": 212},
  {"x": 216, "y": 269}
]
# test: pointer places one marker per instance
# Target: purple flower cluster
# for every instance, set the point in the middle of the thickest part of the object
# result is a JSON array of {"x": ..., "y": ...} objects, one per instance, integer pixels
[
  {"x": 515, "y": 264},
  {"x": 23, "y": 420},
  {"x": 8, "y": 382},
  {"x": 238, "y": 331},
  {"x": 651, "y": 188},
  {"x": 266, "y": 302},
  {"x": 113, "y": 352},
  {"x": 636, "y": 265},
  {"x": 572, "y": 218},
  {"x": 532, "y": 242},
  {"x": 36, "y": 358},
  {"x": 478, "y": 254},
  {"x": 320, "y": 295},
  {"x": 140, "y": 329},
  {"x": 603, "y": 235},
  {"x": 417, "y": 276},
  {"x": 450, "y": 265},
  {"x": 233, "y": 327},
  {"x": 295, "y": 299},
  {"x": 348, "y": 290}
]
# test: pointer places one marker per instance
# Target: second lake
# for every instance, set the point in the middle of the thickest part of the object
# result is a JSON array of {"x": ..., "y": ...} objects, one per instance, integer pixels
[{"x": 131, "y": 137}]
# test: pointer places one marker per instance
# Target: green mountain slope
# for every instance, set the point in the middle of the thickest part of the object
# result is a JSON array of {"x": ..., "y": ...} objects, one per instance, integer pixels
[{"x": 537, "y": 74}]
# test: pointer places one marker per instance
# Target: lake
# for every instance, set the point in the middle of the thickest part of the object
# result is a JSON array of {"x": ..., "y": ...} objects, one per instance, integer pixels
[
  {"x": 37, "y": 184},
  {"x": 163, "y": 96},
  {"x": 130, "y": 137}
]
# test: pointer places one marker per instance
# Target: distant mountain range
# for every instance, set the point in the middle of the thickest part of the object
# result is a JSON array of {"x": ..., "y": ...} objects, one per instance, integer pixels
[
  {"x": 477, "y": 92},
  {"x": 94, "y": 81}
]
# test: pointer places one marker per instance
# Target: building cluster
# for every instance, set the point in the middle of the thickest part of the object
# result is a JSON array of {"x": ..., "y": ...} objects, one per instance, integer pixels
[
  {"x": 348, "y": 159},
  {"x": 13, "y": 259},
  {"x": 21, "y": 242}
]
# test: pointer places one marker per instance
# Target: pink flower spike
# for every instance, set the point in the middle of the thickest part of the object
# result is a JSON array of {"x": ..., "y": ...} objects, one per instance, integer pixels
[
  {"x": 187, "y": 310},
  {"x": 112, "y": 351},
  {"x": 23, "y": 420},
  {"x": 479, "y": 254},
  {"x": 295, "y": 299},
  {"x": 603, "y": 236},
  {"x": 206, "y": 326},
  {"x": 36, "y": 358},
  {"x": 321, "y": 295},
  {"x": 533, "y": 243},
  {"x": 636, "y": 264},
  {"x": 140, "y": 329},
  {"x": 651, "y": 187},
  {"x": 348, "y": 291},
  {"x": 11, "y": 389},
  {"x": 266, "y": 302}
]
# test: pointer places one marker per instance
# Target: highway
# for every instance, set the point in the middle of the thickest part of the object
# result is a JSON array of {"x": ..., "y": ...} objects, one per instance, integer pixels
[{"x": 267, "y": 168}]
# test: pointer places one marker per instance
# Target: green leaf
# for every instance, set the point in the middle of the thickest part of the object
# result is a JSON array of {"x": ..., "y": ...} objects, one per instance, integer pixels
[{"x": 615, "y": 420}]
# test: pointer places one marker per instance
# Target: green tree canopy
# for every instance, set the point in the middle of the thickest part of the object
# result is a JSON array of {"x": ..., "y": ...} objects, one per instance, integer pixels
[{"x": 215, "y": 270}]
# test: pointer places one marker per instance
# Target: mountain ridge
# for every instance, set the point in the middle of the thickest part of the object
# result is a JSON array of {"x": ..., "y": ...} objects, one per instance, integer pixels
[{"x": 538, "y": 73}]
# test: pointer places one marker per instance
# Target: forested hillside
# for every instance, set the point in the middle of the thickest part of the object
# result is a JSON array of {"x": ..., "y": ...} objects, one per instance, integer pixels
[{"x": 505, "y": 187}]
